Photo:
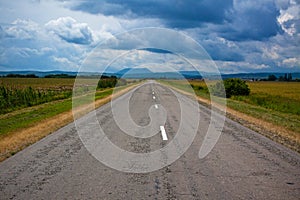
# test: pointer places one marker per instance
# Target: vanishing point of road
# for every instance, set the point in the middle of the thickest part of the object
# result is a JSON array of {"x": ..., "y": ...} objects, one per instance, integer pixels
[{"x": 242, "y": 165}]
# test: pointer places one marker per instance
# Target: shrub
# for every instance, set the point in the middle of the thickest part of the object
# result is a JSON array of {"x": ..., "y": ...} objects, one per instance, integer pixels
[
  {"x": 110, "y": 82},
  {"x": 232, "y": 86},
  {"x": 107, "y": 82},
  {"x": 272, "y": 77}
]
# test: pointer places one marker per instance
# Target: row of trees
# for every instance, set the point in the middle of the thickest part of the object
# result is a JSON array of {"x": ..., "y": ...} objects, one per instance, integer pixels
[
  {"x": 21, "y": 76},
  {"x": 59, "y": 76},
  {"x": 35, "y": 76},
  {"x": 286, "y": 77}
]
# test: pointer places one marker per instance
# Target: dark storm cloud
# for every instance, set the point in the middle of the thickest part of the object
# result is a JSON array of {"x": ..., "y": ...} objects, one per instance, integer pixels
[
  {"x": 176, "y": 14},
  {"x": 240, "y": 35},
  {"x": 256, "y": 21},
  {"x": 2, "y": 33},
  {"x": 154, "y": 50},
  {"x": 224, "y": 55},
  {"x": 244, "y": 20}
]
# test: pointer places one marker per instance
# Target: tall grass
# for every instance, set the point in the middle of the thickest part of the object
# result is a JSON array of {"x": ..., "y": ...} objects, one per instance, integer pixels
[
  {"x": 278, "y": 96},
  {"x": 275, "y": 102},
  {"x": 17, "y": 93},
  {"x": 272, "y": 102},
  {"x": 13, "y": 98}
]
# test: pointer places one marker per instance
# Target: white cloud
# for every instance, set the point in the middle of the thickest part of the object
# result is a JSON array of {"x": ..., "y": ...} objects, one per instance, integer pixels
[
  {"x": 32, "y": 38},
  {"x": 66, "y": 63},
  {"x": 23, "y": 29},
  {"x": 291, "y": 62},
  {"x": 70, "y": 30},
  {"x": 271, "y": 52},
  {"x": 289, "y": 19}
]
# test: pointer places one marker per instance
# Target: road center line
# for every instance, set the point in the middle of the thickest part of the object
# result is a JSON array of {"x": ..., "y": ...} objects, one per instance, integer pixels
[
  {"x": 156, "y": 106},
  {"x": 153, "y": 97},
  {"x": 163, "y": 133}
]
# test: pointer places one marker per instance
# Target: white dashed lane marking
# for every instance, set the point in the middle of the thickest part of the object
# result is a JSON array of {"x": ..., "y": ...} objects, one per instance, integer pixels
[{"x": 163, "y": 133}]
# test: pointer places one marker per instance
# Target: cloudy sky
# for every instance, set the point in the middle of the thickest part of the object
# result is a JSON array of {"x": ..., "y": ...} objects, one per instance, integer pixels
[{"x": 239, "y": 35}]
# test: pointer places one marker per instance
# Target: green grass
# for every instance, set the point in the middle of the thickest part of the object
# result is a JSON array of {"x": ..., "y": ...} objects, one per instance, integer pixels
[
  {"x": 289, "y": 121},
  {"x": 40, "y": 83},
  {"x": 16, "y": 98},
  {"x": 274, "y": 102},
  {"x": 27, "y": 117},
  {"x": 271, "y": 102},
  {"x": 18, "y": 93}
]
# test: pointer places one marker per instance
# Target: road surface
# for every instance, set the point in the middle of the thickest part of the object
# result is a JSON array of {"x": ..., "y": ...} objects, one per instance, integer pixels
[{"x": 242, "y": 165}]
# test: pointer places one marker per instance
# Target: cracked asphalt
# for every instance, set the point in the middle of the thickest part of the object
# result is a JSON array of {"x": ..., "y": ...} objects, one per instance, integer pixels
[{"x": 242, "y": 165}]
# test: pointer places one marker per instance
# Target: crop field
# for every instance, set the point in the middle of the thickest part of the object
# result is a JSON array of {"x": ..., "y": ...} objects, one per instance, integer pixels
[
  {"x": 44, "y": 105},
  {"x": 289, "y": 90},
  {"x": 274, "y": 102},
  {"x": 18, "y": 93},
  {"x": 29, "y": 100},
  {"x": 279, "y": 96},
  {"x": 39, "y": 83}
]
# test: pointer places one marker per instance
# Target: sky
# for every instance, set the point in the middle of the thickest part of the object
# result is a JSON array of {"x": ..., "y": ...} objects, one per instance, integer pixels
[{"x": 239, "y": 35}]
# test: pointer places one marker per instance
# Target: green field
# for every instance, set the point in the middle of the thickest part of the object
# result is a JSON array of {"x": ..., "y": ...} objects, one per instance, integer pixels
[
  {"x": 26, "y": 101},
  {"x": 277, "y": 103},
  {"x": 39, "y": 83},
  {"x": 274, "y": 102}
]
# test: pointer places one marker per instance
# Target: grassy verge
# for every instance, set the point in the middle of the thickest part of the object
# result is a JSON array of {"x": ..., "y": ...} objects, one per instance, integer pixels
[
  {"x": 26, "y": 117},
  {"x": 23, "y": 127},
  {"x": 272, "y": 109}
]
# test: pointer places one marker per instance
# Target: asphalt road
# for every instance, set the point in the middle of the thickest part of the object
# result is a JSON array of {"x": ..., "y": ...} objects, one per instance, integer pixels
[{"x": 242, "y": 164}]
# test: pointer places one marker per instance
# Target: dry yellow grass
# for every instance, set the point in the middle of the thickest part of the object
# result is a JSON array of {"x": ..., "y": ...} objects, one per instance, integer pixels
[
  {"x": 285, "y": 89},
  {"x": 276, "y": 133},
  {"x": 18, "y": 140}
]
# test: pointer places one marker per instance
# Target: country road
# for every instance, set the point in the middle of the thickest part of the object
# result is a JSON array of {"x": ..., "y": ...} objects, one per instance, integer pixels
[{"x": 242, "y": 164}]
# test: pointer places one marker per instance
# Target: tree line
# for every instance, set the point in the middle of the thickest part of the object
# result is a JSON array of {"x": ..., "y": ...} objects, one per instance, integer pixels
[
  {"x": 21, "y": 76},
  {"x": 286, "y": 77}
]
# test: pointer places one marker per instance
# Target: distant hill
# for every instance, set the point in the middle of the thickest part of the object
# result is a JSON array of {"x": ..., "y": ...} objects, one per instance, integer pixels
[
  {"x": 258, "y": 76},
  {"x": 51, "y": 73},
  {"x": 140, "y": 73},
  {"x": 133, "y": 71},
  {"x": 38, "y": 73},
  {"x": 146, "y": 73}
]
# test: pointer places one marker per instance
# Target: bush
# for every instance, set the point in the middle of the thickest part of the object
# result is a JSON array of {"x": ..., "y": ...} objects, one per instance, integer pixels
[
  {"x": 107, "y": 82},
  {"x": 232, "y": 86},
  {"x": 110, "y": 82},
  {"x": 272, "y": 77}
]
